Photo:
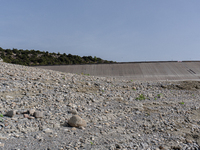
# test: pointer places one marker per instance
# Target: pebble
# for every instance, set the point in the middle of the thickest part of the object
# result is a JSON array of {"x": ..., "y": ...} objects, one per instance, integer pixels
[
  {"x": 47, "y": 130},
  {"x": 74, "y": 112},
  {"x": 26, "y": 116},
  {"x": 31, "y": 112},
  {"x": 56, "y": 125},
  {"x": 1, "y": 144},
  {"x": 3, "y": 137}
]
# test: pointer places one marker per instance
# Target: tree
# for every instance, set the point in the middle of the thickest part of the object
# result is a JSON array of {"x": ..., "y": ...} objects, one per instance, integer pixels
[
  {"x": 95, "y": 58},
  {"x": 69, "y": 55},
  {"x": 15, "y": 50},
  {"x": 1, "y": 49},
  {"x": 90, "y": 58},
  {"x": 2, "y": 55},
  {"x": 86, "y": 59}
]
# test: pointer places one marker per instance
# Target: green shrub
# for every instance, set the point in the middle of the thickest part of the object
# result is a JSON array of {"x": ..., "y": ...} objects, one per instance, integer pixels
[
  {"x": 1, "y": 115},
  {"x": 141, "y": 97},
  {"x": 160, "y": 95}
]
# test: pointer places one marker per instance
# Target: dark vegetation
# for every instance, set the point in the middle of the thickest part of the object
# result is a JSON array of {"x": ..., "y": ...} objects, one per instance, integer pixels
[{"x": 36, "y": 58}]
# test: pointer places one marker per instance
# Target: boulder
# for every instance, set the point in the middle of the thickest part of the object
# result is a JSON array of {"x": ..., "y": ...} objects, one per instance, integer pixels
[
  {"x": 77, "y": 121},
  {"x": 11, "y": 113},
  {"x": 38, "y": 114}
]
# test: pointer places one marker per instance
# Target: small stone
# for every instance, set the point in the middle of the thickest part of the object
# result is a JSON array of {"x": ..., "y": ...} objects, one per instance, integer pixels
[
  {"x": 149, "y": 95},
  {"x": 16, "y": 135},
  {"x": 6, "y": 124},
  {"x": 37, "y": 137},
  {"x": 76, "y": 121},
  {"x": 73, "y": 128},
  {"x": 66, "y": 130},
  {"x": 18, "y": 113},
  {"x": 11, "y": 113},
  {"x": 138, "y": 112},
  {"x": 117, "y": 146},
  {"x": 26, "y": 115},
  {"x": 88, "y": 83},
  {"x": 31, "y": 117},
  {"x": 47, "y": 130},
  {"x": 81, "y": 127},
  {"x": 73, "y": 111},
  {"x": 107, "y": 124},
  {"x": 134, "y": 88},
  {"x": 1, "y": 126},
  {"x": 189, "y": 141},
  {"x": 163, "y": 147},
  {"x": 31, "y": 111},
  {"x": 56, "y": 125},
  {"x": 38, "y": 114},
  {"x": 198, "y": 141},
  {"x": 72, "y": 105},
  {"x": 15, "y": 119},
  {"x": 2, "y": 137},
  {"x": 1, "y": 144},
  {"x": 9, "y": 97}
]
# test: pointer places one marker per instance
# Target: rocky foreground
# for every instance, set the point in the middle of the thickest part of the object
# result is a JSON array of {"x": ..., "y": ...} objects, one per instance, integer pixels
[{"x": 42, "y": 109}]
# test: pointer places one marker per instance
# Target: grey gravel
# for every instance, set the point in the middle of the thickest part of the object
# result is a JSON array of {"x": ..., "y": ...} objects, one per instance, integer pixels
[{"x": 122, "y": 114}]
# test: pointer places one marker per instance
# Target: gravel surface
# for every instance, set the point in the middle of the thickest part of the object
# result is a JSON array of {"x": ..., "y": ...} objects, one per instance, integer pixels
[{"x": 44, "y": 109}]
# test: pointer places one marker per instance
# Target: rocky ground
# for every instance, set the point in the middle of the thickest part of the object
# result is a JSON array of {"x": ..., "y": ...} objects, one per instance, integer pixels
[{"x": 42, "y": 109}]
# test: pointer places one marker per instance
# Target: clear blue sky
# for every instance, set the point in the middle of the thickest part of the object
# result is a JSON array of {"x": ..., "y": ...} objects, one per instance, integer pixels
[{"x": 118, "y": 30}]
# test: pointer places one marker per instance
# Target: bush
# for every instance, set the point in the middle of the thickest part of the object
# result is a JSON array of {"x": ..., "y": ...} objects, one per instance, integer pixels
[{"x": 32, "y": 57}]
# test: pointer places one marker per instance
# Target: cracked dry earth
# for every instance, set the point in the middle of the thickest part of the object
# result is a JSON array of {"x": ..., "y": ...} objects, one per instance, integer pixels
[{"x": 119, "y": 114}]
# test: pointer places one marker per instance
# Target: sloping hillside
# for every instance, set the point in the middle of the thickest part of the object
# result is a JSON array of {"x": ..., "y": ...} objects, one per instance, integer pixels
[{"x": 32, "y": 58}]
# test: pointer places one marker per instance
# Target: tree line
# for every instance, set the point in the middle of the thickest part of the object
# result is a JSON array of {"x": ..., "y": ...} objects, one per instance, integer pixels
[{"x": 36, "y": 58}]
